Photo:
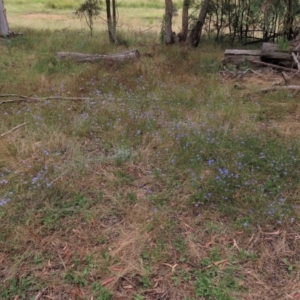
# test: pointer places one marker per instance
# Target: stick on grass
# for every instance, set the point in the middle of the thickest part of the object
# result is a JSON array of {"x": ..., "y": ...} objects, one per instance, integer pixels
[
  {"x": 21, "y": 98},
  {"x": 13, "y": 129}
]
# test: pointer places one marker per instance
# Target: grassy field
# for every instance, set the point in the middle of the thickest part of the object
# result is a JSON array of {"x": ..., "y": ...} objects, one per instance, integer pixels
[
  {"x": 58, "y": 15},
  {"x": 161, "y": 178}
]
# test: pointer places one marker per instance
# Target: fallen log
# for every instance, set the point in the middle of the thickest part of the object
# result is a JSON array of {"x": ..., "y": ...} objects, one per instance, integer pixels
[
  {"x": 242, "y": 52},
  {"x": 236, "y": 56},
  {"x": 81, "y": 57},
  {"x": 271, "y": 53}
]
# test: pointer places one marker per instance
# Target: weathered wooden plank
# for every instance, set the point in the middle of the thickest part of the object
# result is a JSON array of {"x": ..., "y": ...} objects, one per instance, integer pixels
[
  {"x": 242, "y": 52},
  {"x": 81, "y": 57},
  {"x": 238, "y": 59}
]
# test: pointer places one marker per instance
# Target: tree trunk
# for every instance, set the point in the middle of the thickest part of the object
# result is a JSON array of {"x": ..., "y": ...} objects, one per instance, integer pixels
[
  {"x": 168, "y": 21},
  {"x": 111, "y": 21},
  {"x": 289, "y": 20},
  {"x": 4, "y": 29},
  {"x": 114, "y": 18},
  {"x": 195, "y": 35},
  {"x": 185, "y": 20}
]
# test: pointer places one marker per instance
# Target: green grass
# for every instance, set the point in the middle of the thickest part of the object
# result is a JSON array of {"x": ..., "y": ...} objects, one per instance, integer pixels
[
  {"x": 59, "y": 15},
  {"x": 167, "y": 180}
]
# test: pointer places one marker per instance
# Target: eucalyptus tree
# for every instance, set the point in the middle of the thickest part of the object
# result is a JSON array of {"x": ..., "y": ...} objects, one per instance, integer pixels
[
  {"x": 195, "y": 34},
  {"x": 168, "y": 21},
  {"x": 185, "y": 20},
  {"x": 111, "y": 17},
  {"x": 4, "y": 28}
]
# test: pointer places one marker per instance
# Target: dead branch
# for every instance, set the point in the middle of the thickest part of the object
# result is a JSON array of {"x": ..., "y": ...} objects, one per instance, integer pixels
[
  {"x": 13, "y": 129},
  {"x": 247, "y": 71},
  {"x": 277, "y": 88},
  {"x": 40, "y": 294},
  {"x": 285, "y": 78},
  {"x": 271, "y": 66},
  {"x": 21, "y": 98},
  {"x": 295, "y": 58},
  {"x": 254, "y": 241}
]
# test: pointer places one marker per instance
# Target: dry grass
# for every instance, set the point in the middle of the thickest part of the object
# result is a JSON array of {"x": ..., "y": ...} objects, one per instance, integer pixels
[{"x": 137, "y": 19}]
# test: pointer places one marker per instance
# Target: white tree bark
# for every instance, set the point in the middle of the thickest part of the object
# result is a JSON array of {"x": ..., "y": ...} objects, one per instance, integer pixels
[{"x": 4, "y": 29}]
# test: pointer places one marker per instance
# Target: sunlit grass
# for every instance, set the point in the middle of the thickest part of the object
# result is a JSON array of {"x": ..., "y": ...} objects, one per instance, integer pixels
[{"x": 58, "y": 15}]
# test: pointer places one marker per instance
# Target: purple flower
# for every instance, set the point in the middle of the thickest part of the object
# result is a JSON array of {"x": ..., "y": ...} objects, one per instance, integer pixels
[
  {"x": 211, "y": 162},
  {"x": 4, "y": 201}
]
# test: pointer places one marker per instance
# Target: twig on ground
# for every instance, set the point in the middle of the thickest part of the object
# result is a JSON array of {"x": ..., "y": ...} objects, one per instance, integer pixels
[
  {"x": 40, "y": 294},
  {"x": 172, "y": 267},
  {"x": 278, "y": 88},
  {"x": 254, "y": 241},
  {"x": 130, "y": 282},
  {"x": 13, "y": 129},
  {"x": 285, "y": 78},
  {"x": 20, "y": 98},
  {"x": 247, "y": 71},
  {"x": 235, "y": 244},
  {"x": 107, "y": 281},
  {"x": 272, "y": 66},
  {"x": 294, "y": 75},
  {"x": 63, "y": 263}
]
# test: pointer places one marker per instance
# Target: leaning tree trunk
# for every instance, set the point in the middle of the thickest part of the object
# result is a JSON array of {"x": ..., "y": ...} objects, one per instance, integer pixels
[
  {"x": 168, "y": 21},
  {"x": 195, "y": 35},
  {"x": 185, "y": 20},
  {"x": 4, "y": 29}
]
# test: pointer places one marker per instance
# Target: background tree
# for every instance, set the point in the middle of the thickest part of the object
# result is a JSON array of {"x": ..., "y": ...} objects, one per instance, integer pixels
[
  {"x": 4, "y": 29},
  {"x": 246, "y": 21},
  {"x": 195, "y": 34},
  {"x": 89, "y": 10},
  {"x": 185, "y": 20},
  {"x": 168, "y": 21},
  {"x": 111, "y": 16}
]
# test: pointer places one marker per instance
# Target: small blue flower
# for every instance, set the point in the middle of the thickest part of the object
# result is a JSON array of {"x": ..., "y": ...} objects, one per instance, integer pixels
[{"x": 211, "y": 161}]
